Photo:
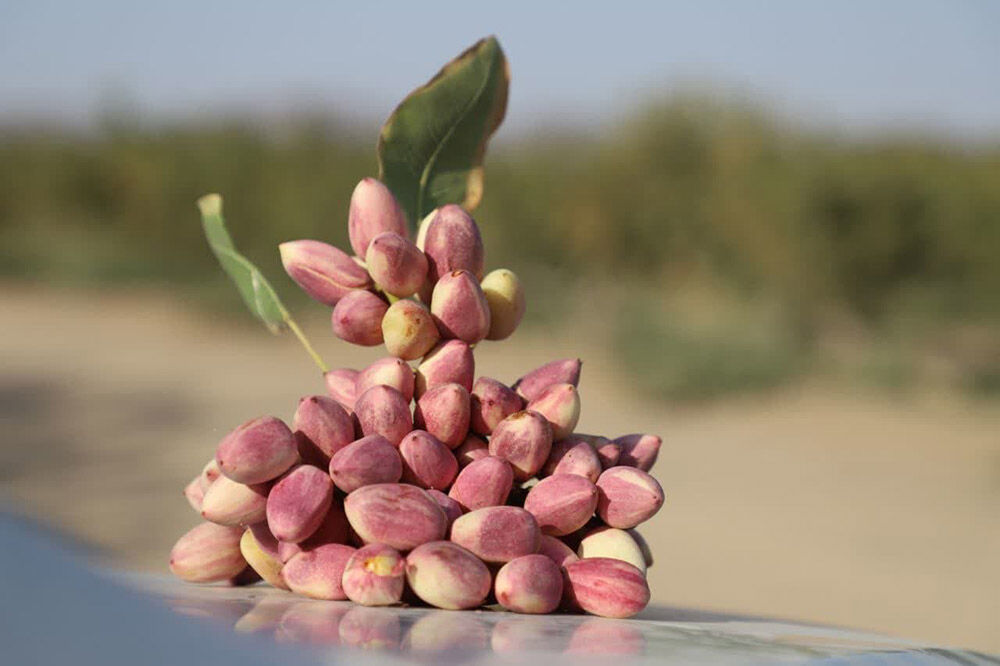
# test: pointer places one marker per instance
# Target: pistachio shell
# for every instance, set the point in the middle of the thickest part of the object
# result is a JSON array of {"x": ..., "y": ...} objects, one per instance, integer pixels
[
  {"x": 395, "y": 514},
  {"x": 448, "y": 576},
  {"x": 373, "y": 210},
  {"x": 563, "y": 371},
  {"x": 529, "y": 584},
  {"x": 324, "y": 272},
  {"x": 208, "y": 553},
  {"x": 259, "y": 450}
]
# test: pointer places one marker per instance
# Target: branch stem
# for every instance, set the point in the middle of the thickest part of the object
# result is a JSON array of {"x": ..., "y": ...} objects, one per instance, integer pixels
[{"x": 317, "y": 359}]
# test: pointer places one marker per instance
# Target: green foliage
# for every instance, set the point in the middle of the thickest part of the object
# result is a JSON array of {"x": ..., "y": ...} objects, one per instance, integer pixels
[
  {"x": 431, "y": 149},
  {"x": 694, "y": 188},
  {"x": 685, "y": 192},
  {"x": 678, "y": 354},
  {"x": 116, "y": 207},
  {"x": 984, "y": 382},
  {"x": 257, "y": 293},
  {"x": 887, "y": 365}
]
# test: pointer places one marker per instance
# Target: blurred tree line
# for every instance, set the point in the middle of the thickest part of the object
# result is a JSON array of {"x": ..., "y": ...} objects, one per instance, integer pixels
[{"x": 729, "y": 250}]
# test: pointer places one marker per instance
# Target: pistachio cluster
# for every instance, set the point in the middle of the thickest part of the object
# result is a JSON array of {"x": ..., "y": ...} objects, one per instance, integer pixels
[
  {"x": 426, "y": 484},
  {"x": 372, "y": 293}
]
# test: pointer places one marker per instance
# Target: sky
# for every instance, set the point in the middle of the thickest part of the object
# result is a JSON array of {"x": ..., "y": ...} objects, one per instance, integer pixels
[{"x": 850, "y": 64}]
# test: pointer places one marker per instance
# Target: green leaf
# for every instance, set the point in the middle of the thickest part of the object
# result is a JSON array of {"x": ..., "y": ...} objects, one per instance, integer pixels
[
  {"x": 431, "y": 148},
  {"x": 257, "y": 292}
]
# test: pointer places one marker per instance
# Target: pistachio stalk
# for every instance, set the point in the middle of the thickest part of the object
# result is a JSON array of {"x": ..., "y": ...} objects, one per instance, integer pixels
[{"x": 258, "y": 294}]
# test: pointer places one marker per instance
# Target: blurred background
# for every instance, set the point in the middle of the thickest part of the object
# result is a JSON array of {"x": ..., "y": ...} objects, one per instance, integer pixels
[{"x": 771, "y": 232}]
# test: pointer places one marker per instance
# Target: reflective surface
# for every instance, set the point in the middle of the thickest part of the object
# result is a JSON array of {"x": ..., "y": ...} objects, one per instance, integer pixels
[
  {"x": 57, "y": 610},
  {"x": 658, "y": 634}
]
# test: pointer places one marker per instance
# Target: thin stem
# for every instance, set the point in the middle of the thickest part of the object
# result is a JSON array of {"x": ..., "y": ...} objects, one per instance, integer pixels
[{"x": 324, "y": 368}]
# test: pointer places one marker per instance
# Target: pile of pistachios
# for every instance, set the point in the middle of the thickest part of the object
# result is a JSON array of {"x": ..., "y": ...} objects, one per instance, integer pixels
[{"x": 423, "y": 484}]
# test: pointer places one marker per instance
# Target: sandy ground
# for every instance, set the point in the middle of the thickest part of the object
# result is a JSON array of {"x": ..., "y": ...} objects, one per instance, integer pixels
[{"x": 815, "y": 503}]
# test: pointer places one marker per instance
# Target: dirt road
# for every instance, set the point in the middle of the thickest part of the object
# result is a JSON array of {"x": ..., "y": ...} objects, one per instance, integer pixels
[{"x": 815, "y": 503}]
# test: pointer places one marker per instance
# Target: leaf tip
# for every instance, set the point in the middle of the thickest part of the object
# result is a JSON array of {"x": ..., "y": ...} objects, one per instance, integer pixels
[{"x": 210, "y": 205}]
